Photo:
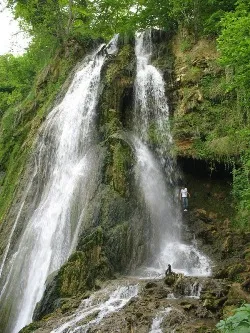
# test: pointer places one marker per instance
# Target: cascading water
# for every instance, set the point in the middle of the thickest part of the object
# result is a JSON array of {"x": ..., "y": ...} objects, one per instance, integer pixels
[
  {"x": 156, "y": 324},
  {"x": 156, "y": 171},
  {"x": 66, "y": 176},
  {"x": 95, "y": 305}
]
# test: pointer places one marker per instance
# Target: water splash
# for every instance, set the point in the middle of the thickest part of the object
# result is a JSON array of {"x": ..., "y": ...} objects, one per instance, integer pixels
[
  {"x": 68, "y": 164},
  {"x": 157, "y": 321},
  {"x": 115, "y": 300},
  {"x": 195, "y": 290}
]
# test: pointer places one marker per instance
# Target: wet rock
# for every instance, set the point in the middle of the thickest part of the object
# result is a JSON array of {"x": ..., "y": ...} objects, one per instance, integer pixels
[
  {"x": 246, "y": 237},
  {"x": 221, "y": 273},
  {"x": 187, "y": 305},
  {"x": 246, "y": 254},
  {"x": 227, "y": 246},
  {"x": 150, "y": 285},
  {"x": 170, "y": 279},
  {"x": 82, "y": 272},
  {"x": 231, "y": 271},
  {"x": 202, "y": 312},
  {"x": 214, "y": 295},
  {"x": 203, "y": 215},
  {"x": 174, "y": 318}
]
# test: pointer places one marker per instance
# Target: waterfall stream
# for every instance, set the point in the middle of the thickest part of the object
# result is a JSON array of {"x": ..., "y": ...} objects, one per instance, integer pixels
[
  {"x": 156, "y": 171},
  {"x": 66, "y": 176}
]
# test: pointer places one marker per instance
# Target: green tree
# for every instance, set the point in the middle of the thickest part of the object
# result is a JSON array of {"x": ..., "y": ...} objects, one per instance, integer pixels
[
  {"x": 16, "y": 78},
  {"x": 234, "y": 45}
]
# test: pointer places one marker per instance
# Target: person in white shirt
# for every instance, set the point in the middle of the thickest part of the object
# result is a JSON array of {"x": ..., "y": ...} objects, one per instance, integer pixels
[{"x": 184, "y": 197}]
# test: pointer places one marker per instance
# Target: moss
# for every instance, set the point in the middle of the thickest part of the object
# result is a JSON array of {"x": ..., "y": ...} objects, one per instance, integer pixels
[
  {"x": 31, "y": 328},
  {"x": 233, "y": 271},
  {"x": 120, "y": 167},
  {"x": 192, "y": 75},
  {"x": 117, "y": 78},
  {"x": 119, "y": 246},
  {"x": 205, "y": 112},
  {"x": 119, "y": 66},
  {"x": 112, "y": 124}
]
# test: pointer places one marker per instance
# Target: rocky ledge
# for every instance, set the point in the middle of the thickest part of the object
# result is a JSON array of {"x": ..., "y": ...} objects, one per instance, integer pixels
[{"x": 176, "y": 302}]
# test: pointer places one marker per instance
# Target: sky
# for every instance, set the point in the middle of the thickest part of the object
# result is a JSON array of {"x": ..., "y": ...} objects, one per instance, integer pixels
[{"x": 12, "y": 40}]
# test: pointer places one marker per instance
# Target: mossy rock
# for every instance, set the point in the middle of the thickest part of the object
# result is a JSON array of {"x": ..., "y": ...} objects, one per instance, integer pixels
[
  {"x": 171, "y": 279},
  {"x": 77, "y": 275},
  {"x": 119, "y": 246}
]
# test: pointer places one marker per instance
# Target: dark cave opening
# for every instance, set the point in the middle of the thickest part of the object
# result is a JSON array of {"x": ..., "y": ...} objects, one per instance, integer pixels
[
  {"x": 205, "y": 169},
  {"x": 209, "y": 184}
]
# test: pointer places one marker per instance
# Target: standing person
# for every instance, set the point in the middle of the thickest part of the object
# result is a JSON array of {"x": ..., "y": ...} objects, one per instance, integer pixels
[{"x": 184, "y": 197}]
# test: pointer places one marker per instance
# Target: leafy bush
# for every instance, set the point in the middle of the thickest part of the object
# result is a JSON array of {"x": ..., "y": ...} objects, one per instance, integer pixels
[{"x": 239, "y": 322}]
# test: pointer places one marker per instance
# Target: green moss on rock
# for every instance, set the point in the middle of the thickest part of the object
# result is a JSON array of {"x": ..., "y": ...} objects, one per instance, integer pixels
[{"x": 77, "y": 275}]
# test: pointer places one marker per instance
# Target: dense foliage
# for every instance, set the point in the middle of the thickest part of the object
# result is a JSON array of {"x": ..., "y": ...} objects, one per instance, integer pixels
[
  {"x": 239, "y": 322},
  {"x": 52, "y": 22}
]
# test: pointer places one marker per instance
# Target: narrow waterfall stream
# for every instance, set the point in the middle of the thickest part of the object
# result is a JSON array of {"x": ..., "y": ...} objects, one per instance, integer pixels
[
  {"x": 66, "y": 176},
  {"x": 156, "y": 170},
  {"x": 156, "y": 324}
]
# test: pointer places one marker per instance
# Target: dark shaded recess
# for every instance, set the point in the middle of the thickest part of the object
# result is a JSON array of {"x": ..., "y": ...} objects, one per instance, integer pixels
[
  {"x": 126, "y": 107},
  {"x": 126, "y": 39},
  {"x": 205, "y": 169},
  {"x": 210, "y": 186},
  {"x": 159, "y": 36}
]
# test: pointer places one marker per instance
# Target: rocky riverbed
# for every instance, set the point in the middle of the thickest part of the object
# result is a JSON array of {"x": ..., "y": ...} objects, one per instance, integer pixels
[{"x": 176, "y": 303}]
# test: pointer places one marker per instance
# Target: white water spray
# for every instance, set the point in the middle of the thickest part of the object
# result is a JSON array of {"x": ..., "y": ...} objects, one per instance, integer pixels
[
  {"x": 68, "y": 170},
  {"x": 115, "y": 301},
  {"x": 157, "y": 321}
]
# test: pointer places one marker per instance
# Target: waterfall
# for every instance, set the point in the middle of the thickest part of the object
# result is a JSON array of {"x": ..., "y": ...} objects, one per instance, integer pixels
[
  {"x": 156, "y": 170},
  {"x": 151, "y": 118},
  {"x": 66, "y": 177}
]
